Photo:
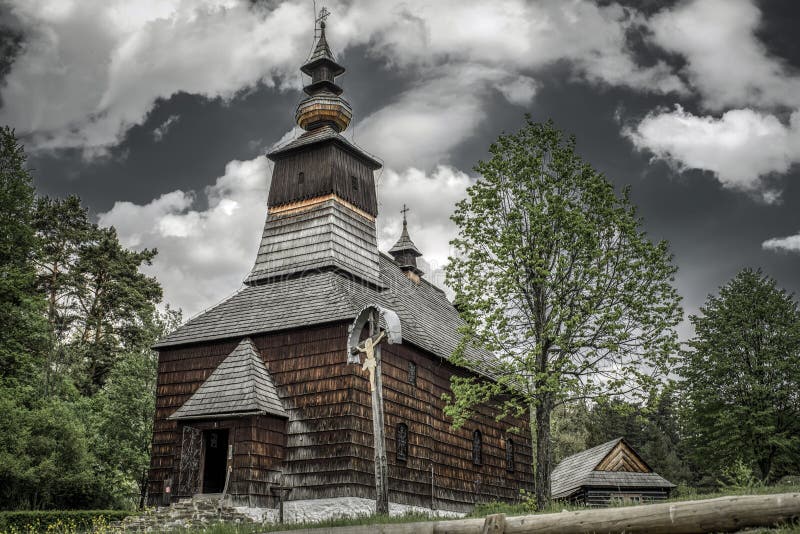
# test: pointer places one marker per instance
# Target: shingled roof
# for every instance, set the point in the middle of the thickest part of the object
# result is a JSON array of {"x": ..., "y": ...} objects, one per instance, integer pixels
[
  {"x": 240, "y": 385},
  {"x": 429, "y": 319},
  {"x": 318, "y": 135},
  {"x": 581, "y": 469}
]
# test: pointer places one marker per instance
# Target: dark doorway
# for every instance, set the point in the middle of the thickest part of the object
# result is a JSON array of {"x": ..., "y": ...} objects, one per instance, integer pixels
[{"x": 215, "y": 443}]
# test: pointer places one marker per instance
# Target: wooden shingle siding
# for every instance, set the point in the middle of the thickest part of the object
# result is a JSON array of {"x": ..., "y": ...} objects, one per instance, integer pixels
[
  {"x": 327, "y": 168},
  {"x": 328, "y": 450},
  {"x": 327, "y": 235}
]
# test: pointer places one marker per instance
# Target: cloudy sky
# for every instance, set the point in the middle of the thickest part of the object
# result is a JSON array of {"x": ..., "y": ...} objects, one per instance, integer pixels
[{"x": 158, "y": 113}]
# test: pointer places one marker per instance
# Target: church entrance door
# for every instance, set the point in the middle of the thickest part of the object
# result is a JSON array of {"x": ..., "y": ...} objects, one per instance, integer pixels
[{"x": 215, "y": 444}]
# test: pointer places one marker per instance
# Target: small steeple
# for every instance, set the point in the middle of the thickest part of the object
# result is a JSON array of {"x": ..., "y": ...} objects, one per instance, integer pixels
[
  {"x": 405, "y": 253},
  {"x": 323, "y": 106}
]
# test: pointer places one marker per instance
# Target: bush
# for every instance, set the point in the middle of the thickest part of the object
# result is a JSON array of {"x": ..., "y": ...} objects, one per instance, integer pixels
[{"x": 57, "y": 520}]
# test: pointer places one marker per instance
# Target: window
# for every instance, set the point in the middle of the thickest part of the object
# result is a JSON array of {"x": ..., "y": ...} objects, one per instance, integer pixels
[
  {"x": 412, "y": 373},
  {"x": 301, "y": 177},
  {"x": 477, "y": 445},
  {"x": 510, "y": 455},
  {"x": 354, "y": 182},
  {"x": 401, "y": 435}
]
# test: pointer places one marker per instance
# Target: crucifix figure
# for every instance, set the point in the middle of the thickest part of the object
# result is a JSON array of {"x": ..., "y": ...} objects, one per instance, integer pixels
[
  {"x": 370, "y": 363},
  {"x": 371, "y": 347}
]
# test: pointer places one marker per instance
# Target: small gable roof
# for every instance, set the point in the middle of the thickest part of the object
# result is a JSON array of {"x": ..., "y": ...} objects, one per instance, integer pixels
[
  {"x": 240, "y": 385},
  {"x": 611, "y": 464}
]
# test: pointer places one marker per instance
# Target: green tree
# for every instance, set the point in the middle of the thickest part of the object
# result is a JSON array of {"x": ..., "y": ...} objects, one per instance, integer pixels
[
  {"x": 115, "y": 303},
  {"x": 652, "y": 428},
  {"x": 124, "y": 409},
  {"x": 569, "y": 429},
  {"x": 554, "y": 275},
  {"x": 742, "y": 377},
  {"x": 22, "y": 338},
  {"x": 62, "y": 226}
]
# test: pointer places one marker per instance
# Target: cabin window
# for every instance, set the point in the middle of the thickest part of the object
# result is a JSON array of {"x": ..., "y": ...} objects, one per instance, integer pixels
[
  {"x": 477, "y": 445},
  {"x": 402, "y": 442},
  {"x": 510, "y": 455},
  {"x": 354, "y": 181},
  {"x": 301, "y": 177},
  {"x": 412, "y": 373}
]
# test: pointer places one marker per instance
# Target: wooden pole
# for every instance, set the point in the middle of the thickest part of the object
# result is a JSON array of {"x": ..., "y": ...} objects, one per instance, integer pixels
[
  {"x": 724, "y": 514},
  {"x": 378, "y": 434}
]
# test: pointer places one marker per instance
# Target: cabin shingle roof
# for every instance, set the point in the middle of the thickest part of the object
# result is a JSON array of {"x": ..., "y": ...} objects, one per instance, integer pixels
[
  {"x": 578, "y": 470},
  {"x": 428, "y": 318},
  {"x": 241, "y": 384}
]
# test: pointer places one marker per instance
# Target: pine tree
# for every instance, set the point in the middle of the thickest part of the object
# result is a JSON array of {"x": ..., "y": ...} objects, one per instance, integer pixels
[
  {"x": 742, "y": 377},
  {"x": 22, "y": 339}
]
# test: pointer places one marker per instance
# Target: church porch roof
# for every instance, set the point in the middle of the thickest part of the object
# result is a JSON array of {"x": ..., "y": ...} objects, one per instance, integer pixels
[{"x": 240, "y": 385}]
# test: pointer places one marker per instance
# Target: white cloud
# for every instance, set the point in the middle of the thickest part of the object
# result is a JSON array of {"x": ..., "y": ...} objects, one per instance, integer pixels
[
  {"x": 514, "y": 35},
  {"x": 90, "y": 70},
  {"x": 785, "y": 244},
  {"x": 163, "y": 128},
  {"x": 725, "y": 61},
  {"x": 741, "y": 147},
  {"x": 203, "y": 255},
  {"x": 431, "y": 199},
  {"x": 422, "y": 126}
]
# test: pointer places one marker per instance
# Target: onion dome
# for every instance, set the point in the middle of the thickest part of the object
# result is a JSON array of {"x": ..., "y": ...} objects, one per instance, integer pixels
[
  {"x": 404, "y": 252},
  {"x": 324, "y": 106}
]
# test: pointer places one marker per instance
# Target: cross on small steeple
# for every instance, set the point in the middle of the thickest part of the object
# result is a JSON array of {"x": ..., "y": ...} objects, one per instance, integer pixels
[{"x": 404, "y": 211}]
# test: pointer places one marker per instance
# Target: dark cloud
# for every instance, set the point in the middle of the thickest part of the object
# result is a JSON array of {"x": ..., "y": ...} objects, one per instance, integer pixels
[
  {"x": 11, "y": 41},
  {"x": 778, "y": 30},
  {"x": 713, "y": 231}
]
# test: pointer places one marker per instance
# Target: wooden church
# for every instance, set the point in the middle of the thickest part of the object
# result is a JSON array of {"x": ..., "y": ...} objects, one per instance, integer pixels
[{"x": 255, "y": 395}]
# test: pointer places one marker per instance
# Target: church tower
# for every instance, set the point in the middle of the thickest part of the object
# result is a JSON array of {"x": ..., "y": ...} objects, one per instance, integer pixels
[{"x": 322, "y": 202}]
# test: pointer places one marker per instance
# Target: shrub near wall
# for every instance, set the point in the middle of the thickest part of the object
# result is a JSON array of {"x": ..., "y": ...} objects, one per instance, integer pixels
[{"x": 57, "y": 520}]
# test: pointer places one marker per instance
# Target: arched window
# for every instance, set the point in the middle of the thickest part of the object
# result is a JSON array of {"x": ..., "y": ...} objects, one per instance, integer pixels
[
  {"x": 301, "y": 177},
  {"x": 402, "y": 442},
  {"x": 477, "y": 445},
  {"x": 510, "y": 455},
  {"x": 412, "y": 373}
]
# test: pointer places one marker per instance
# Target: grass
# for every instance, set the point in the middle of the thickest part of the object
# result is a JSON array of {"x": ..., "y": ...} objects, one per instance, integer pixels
[{"x": 482, "y": 510}]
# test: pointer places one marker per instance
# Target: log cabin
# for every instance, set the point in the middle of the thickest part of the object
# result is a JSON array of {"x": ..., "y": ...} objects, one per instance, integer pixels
[
  {"x": 255, "y": 399},
  {"x": 609, "y": 473}
]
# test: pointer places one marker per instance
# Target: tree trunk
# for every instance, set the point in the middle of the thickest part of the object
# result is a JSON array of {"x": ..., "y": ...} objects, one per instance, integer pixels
[{"x": 543, "y": 450}]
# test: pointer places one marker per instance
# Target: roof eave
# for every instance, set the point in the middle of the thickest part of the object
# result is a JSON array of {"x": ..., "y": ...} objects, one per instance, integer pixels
[
  {"x": 229, "y": 415},
  {"x": 283, "y": 152}
]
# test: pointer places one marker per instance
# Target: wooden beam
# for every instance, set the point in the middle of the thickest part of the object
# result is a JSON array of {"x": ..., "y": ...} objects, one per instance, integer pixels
[
  {"x": 724, "y": 514},
  {"x": 622, "y": 458}
]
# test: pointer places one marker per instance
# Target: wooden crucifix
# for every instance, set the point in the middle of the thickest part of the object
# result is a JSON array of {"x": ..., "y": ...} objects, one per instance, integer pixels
[{"x": 371, "y": 316}]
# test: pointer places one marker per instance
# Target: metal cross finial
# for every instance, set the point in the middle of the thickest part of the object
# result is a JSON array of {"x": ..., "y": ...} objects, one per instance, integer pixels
[
  {"x": 404, "y": 211},
  {"x": 323, "y": 14}
]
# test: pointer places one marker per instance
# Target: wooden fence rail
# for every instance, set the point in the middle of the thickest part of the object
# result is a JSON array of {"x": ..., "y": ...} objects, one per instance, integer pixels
[{"x": 724, "y": 514}]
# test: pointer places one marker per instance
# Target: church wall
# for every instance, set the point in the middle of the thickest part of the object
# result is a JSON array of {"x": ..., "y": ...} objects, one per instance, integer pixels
[
  {"x": 180, "y": 373},
  {"x": 328, "y": 169},
  {"x": 314, "y": 384},
  {"x": 456, "y": 483},
  {"x": 328, "y": 438}
]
